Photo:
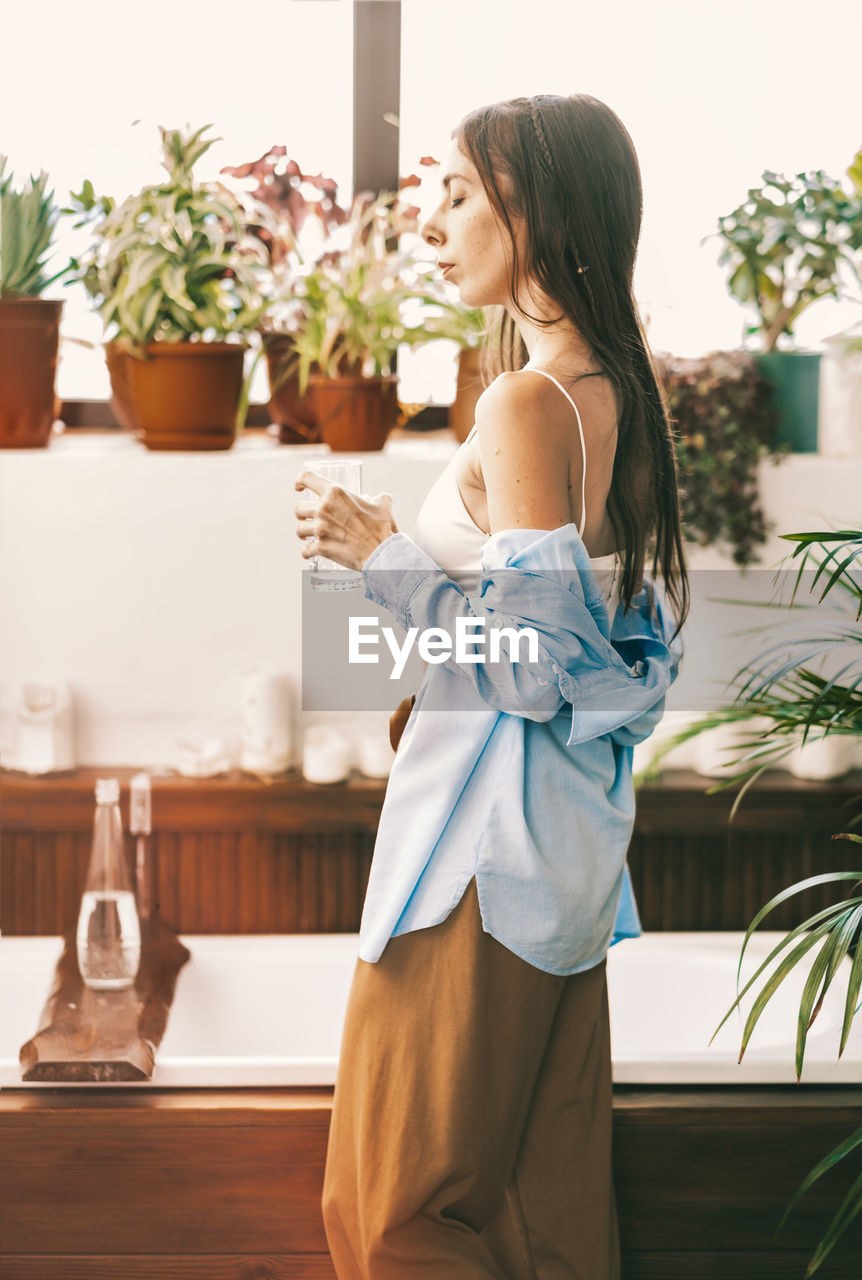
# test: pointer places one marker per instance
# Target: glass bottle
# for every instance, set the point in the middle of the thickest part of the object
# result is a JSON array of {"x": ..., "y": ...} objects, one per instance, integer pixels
[{"x": 109, "y": 931}]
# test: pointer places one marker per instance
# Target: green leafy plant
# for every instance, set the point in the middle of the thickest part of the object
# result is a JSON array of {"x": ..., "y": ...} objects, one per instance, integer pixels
[
  {"x": 359, "y": 303},
  {"x": 837, "y": 928},
  {"x": 798, "y": 702},
  {"x": 789, "y": 244},
  {"x": 346, "y": 309},
  {"x": 468, "y": 326},
  {"x": 174, "y": 262},
  {"x": 722, "y": 411},
  {"x": 28, "y": 221}
]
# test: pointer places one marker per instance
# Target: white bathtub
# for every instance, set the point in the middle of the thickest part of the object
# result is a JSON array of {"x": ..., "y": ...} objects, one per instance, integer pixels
[{"x": 267, "y": 1010}]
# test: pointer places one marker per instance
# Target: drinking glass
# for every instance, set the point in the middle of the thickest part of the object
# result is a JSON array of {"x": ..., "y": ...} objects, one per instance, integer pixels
[{"x": 326, "y": 574}]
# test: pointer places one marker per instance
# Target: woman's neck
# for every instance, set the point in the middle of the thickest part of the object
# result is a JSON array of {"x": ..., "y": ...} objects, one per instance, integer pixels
[{"x": 559, "y": 345}]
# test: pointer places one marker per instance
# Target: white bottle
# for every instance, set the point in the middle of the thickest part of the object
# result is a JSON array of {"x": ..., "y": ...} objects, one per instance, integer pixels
[{"x": 109, "y": 932}]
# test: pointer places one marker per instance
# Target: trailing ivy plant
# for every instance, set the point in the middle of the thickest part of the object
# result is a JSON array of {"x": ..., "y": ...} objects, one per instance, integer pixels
[
  {"x": 721, "y": 408},
  {"x": 790, "y": 243},
  {"x": 174, "y": 262},
  {"x": 28, "y": 221}
]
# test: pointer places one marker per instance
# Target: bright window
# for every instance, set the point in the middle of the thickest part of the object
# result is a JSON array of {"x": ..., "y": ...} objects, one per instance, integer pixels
[
  {"x": 712, "y": 95},
  {"x": 275, "y": 72}
]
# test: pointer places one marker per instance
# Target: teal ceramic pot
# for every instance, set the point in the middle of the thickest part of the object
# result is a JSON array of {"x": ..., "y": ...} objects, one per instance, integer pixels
[{"x": 795, "y": 380}]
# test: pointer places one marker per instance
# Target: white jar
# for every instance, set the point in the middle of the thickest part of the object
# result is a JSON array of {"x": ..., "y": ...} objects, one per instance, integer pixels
[
  {"x": 375, "y": 756},
  {"x": 716, "y": 751},
  {"x": 326, "y": 755},
  {"x": 821, "y": 758}
]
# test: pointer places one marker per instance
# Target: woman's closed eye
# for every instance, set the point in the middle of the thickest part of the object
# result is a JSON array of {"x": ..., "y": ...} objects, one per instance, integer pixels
[{"x": 460, "y": 200}]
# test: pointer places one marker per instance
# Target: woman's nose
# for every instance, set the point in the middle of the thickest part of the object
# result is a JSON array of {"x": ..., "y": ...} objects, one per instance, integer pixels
[{"x": 430, "y": 233}]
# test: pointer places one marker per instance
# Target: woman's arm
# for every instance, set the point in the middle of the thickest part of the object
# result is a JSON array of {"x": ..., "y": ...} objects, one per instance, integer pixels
[{"x": 524, "y": 454}]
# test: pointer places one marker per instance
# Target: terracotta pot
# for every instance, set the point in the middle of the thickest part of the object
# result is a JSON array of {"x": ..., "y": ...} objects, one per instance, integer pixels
[
  {"x": 29, "y": 334},
  {"x": 462, "y": 411},
  {"x": 293, "y": 413},
  {"x": 122, "y": 403},
  {"x": 186, "y": 394},
  {"x": 355, "y": 414}
]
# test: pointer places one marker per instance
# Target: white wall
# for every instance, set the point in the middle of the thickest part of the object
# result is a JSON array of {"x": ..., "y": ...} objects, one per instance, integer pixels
[{"x": 154, "y": 582}]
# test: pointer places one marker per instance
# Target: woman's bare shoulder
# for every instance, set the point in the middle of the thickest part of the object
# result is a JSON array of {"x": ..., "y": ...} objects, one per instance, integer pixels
[
  {"x": 514, "y": 389},
  {"x": 516, "y": 405}
]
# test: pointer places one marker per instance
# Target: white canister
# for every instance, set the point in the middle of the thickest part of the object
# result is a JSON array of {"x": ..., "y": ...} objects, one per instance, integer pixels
[
  {"x": 44, "y": 731},
  {"x": 266, "y": 740},
  {"x": 716, "y": 751},
  {"x": 202, "y": 757},
  {"x": 821, "y": 758},
  {"x": 679, "y": 757},
  {"x": 839, "y": 427},
  {"x": 326, "y": 755},
  {"x": 375, "y": 755}
]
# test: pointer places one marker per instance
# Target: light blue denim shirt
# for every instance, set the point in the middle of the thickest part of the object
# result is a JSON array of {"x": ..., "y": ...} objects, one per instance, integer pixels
[{"x": 519, "y": 774}]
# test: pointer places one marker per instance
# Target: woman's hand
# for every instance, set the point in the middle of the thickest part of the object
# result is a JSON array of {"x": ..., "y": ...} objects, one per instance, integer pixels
[
  {"x": 346, "y": 527},
  {"x": 398, "y": 720}
]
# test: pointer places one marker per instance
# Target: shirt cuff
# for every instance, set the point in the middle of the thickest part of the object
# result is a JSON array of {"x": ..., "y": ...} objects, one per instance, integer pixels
[{"x": 396, "y": 568}]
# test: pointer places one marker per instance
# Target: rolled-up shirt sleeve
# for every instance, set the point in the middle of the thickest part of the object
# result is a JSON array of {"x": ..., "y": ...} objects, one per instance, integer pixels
[{"x": 571, "y": 660}]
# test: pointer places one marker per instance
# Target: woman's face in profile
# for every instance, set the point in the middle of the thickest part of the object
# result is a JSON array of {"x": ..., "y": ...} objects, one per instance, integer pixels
[{"x": 473, "y": 246}]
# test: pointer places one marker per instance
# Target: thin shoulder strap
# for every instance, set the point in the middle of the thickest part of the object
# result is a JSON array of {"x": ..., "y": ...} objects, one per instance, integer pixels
[{"x": 545, "y": 374}]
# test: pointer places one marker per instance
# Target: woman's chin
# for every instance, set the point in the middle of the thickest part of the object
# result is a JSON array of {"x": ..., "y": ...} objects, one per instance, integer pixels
[{"x": 472, "y": 297}]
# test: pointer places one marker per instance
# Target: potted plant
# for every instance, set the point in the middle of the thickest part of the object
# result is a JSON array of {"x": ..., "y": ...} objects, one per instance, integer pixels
[
  {"x": 795, "y": 702},
  {"x": 797, "y": 698},
  {"x": 288, "y": 202},
  {"x": 787, "y": 245},
  {"x": 175, "y": 278},
  {"x": 29, "y": 323},
  {"x": 357, "y": 306},
  {"x": 720, "y": 406},
  {"x": 470, "y": 328}
]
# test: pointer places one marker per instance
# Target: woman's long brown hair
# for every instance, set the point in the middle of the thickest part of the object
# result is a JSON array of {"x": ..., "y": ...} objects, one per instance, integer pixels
[{"x": 576, "y": 182}]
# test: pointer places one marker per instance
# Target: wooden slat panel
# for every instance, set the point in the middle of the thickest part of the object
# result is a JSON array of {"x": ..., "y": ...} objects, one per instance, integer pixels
[
  {"x": 226, "y": 882},
  {"x": 210, "y": 1266},
  {"x": 250, "y": 865},
  {"x": 676, "y": 802},
  {"x": 164, "y": 852},
  {"x": 24, "y": 878},
  {"x": 234, "y": 801}
]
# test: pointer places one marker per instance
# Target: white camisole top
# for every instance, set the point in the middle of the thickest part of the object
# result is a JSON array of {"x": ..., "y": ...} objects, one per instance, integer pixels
[{"x": 448, "y": 533}]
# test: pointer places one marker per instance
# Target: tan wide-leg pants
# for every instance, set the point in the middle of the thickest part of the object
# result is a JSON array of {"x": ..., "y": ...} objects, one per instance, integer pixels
[{"x": 471, "y": 1127}]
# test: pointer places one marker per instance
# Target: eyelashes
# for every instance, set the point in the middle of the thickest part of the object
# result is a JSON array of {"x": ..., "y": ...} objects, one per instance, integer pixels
[{"x": 455, "y": 203}]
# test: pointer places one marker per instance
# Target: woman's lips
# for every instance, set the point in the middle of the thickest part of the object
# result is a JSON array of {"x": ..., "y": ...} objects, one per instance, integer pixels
[{"x": 445, "y": 266}]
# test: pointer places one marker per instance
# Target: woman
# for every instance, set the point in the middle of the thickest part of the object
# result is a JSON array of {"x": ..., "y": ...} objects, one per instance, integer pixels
[{"x": 471, "y": 1130}]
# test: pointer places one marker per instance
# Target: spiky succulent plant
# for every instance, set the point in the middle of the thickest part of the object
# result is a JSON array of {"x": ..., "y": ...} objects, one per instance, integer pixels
[{"x": 28, "y": 219}]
